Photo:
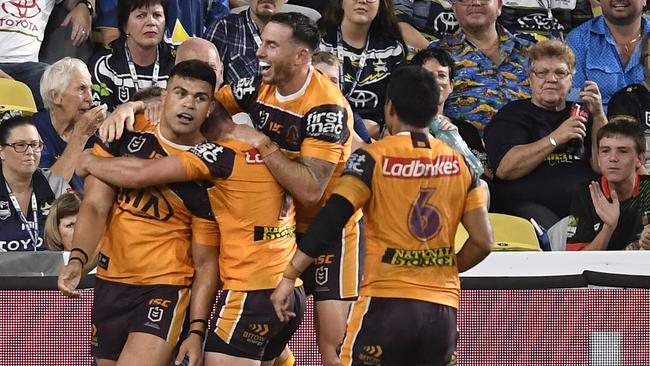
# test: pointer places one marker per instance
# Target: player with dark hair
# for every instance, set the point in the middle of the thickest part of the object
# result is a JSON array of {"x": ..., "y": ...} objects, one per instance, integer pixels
[
  {"x": 411, "y": 268},
  {"x": 154, "y": 242}
]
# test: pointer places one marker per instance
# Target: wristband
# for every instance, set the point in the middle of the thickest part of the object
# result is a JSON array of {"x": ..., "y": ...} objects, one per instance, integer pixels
[
  {"x": 200, "y": 333},
  {"x": 76, "y": 258},
  {"x": 204, "y": 322},
  {"x": 85, "y": 260}
]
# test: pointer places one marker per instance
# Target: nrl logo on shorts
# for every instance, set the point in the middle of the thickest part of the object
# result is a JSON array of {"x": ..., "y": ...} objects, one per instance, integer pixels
[
  {"x": 136, "y": 144},
  {"x": 321, "y": 275},
  {"x": 155, "y": 314}
]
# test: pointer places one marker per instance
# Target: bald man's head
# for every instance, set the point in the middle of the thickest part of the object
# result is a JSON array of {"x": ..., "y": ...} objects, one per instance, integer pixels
[{"x": 203, "y": 50}]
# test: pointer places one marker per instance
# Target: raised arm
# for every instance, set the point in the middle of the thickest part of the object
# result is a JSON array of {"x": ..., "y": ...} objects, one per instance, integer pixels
[
  {"x": 522, "y": 159},
  {"x": 305, "y": 179}
]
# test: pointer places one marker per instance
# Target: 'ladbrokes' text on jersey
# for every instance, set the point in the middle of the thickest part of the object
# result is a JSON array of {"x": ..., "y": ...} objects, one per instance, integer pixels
[{"x": 414, "y": 190}]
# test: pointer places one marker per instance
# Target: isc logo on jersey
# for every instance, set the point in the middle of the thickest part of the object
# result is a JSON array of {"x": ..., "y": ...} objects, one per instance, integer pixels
[
  {"x": 443, "y": 165},
  {"x": 326, "y": 123},
  {"x": 207, "y": 151}
]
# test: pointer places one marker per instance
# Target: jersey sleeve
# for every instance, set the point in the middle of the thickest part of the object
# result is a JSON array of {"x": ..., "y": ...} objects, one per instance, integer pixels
[
  {"x": 208, "y": 160},
  {"x": 580, "y": 227},
  {"x": 476, "y": 196},
  {"x": 239, "y": 96},
  {"x": 205, "y": 231},
  {"x": 326, "y": 132},
  {"x": 356, "y": 182}
]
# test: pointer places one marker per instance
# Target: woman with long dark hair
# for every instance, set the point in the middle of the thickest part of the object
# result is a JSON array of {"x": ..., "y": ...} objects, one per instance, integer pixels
[{"x": 365, "y": 37}]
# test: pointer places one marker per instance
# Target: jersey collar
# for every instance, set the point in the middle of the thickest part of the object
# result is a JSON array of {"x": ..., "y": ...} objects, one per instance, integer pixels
[{"x": 607, "y": 192}]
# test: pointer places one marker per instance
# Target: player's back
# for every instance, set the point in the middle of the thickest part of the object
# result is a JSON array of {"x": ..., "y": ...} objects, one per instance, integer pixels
[
  {"x": 150, "y": 230},
  {"x": 256, "y": 216},
  {"x": 418, "y": 189}
]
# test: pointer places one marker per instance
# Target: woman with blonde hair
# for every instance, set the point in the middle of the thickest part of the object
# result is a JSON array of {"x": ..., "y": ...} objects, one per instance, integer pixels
[{"x": 59, "y": 226}]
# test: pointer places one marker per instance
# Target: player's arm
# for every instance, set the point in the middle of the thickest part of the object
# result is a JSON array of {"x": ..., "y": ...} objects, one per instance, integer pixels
[
  {"x": 480, "y": 241},
  {"x": 204, "y": 291},
  {"x": 91, "y": 222},
  {"x": 130, "y": 172},
  {"x": 352, "y": 193},
  {"x": 305, "y": 179},
  {"x": 475, "y": 219}
]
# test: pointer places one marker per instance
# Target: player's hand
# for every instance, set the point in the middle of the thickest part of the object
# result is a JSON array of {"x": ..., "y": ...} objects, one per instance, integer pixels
[
  {"x": 246, "y": 134},
  {"x": 81, "y": 21},
  {"x": 153, "y": 111},
  {"x": 607, "y": 211},
  {"x": 572, "y": 128},
  {"x": 122, "y": 117},
  {"x": 190, "y": 348},
  {"x": 280, "y": 298},
  {"x": 590, "y": 94},
  {"x": 69, "y": 279}
]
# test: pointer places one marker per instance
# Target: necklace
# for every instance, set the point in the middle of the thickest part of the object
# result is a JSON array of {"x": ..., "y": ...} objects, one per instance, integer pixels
[{"x": 631, "y": 44}]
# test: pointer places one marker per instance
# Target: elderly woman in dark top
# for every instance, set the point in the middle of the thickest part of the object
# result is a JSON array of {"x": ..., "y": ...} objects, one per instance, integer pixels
[{"x": 541, "y": 148}]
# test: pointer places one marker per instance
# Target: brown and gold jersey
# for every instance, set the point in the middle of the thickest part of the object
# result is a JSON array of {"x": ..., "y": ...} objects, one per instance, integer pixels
[
  {"x": 414, "y": 190},
  {"x": 256, "y": 217},
  {"x": 315, "y": 122},
  {"x": 150, "y": 230}
]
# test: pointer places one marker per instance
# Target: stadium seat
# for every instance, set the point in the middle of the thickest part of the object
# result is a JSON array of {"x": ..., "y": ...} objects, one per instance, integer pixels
[
  {"x": 511, "y": 233},
  {"x": 16, "y": 96}
]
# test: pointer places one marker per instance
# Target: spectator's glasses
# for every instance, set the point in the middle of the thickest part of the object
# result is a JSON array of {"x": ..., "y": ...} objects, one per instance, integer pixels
[
  {"x": 368, "y": 1},
  {"x": 559, "y": 74},
  {"x": 21, "y": 147},
  {"x": 470, "y": 2}
]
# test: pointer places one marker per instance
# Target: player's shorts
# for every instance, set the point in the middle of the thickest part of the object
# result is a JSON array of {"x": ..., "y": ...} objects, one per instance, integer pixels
[
  {"x": 246, "y": 326},
  {"x": 336, "y": 274},
  {"x": 417, "y": 333},
  {"x": 120, "y": 309}
]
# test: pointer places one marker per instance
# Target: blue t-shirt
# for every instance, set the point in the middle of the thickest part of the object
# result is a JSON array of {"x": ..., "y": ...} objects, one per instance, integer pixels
[
  {"x": 54, "y": 146},
  {"x": 15, "y": 235}
]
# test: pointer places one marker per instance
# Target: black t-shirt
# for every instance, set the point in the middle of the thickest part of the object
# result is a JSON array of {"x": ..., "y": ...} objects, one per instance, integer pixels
[
  {"x": 383, "y": 55},
  {"x": 584, "y": 223},
  {"x": 553, "y": 181}
]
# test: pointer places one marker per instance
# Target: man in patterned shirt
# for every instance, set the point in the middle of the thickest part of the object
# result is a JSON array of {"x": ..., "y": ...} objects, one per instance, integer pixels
[
  {"x": 237, "y": 38},
  {"x": 491, "y": 62}
]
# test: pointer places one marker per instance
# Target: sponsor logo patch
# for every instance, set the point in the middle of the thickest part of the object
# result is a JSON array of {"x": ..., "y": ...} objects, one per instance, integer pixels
[
  {"x": 437, "y": 257},
  {"x": 271, "y": 232},
  {"x": 442, "y": 166}
]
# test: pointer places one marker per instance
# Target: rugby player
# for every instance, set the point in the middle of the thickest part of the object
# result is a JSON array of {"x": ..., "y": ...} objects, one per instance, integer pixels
[{"x": 415, "y": 190}]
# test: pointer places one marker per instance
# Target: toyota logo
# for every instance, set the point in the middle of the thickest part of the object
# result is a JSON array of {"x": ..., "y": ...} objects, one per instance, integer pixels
[{"x": 22, "y": 8}]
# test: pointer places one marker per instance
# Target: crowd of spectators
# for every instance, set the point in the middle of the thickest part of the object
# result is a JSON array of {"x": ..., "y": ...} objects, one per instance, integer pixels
[{"x": 510, "y": 91}]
